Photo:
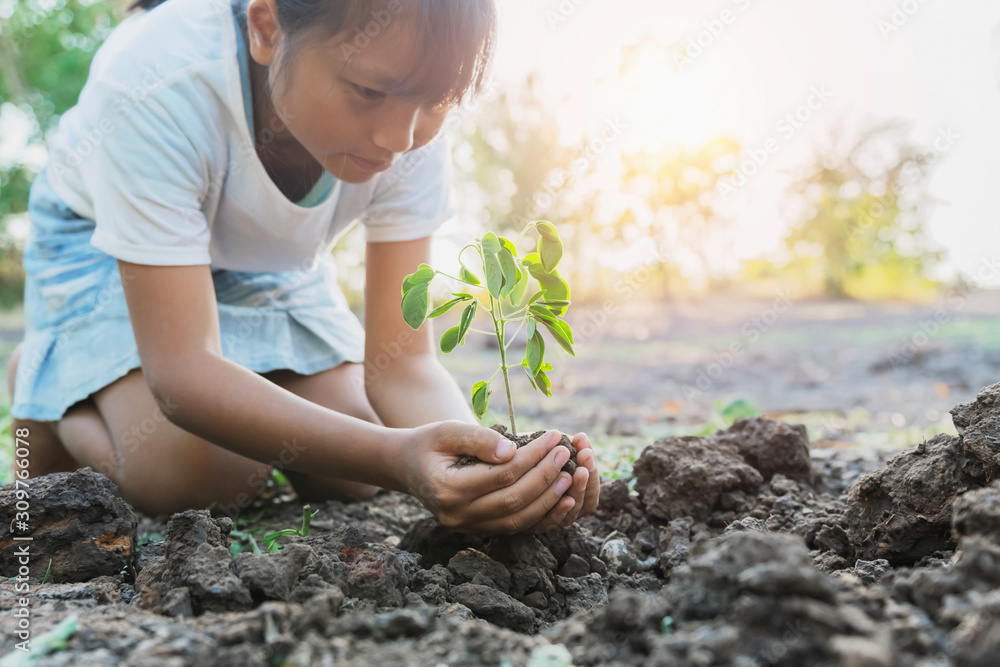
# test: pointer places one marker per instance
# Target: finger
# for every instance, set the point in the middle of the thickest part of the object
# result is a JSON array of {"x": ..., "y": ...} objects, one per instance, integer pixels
[
  {"x": 555, "y": 517},
  {"x": 577, "y": 492},
  {"x": 581, "y": 442},
  {"x": 539, "y": 480},
  {"x": 588, "y": 460},
  {"x": 487, "y": 479},
  {"x": 531, "y": 515},
  {"x": 458, "y": 438}
]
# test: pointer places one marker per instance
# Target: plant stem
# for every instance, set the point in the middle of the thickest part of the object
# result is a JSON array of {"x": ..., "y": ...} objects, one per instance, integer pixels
[
  {"x": 515, "y": 334},
  {"x": 498, "y": 324},
  {"x": 530, "y": 226},
  {"x": 458, "y": 280}
]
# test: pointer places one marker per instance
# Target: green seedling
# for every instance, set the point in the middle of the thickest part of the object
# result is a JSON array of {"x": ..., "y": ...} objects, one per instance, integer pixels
[
  {"x": 52, "y": 641},
  {"x": 507, "y": 281},
  {"x": 270, "y": 543},
  {"x": 726, "y": 412}
]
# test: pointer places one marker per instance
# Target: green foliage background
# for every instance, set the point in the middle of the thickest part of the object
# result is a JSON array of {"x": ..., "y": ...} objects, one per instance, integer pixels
[{"x": 45, "y": 51}]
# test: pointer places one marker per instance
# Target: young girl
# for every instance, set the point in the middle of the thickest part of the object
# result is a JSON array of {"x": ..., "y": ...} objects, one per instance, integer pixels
[{"x": 185, "y": 332}]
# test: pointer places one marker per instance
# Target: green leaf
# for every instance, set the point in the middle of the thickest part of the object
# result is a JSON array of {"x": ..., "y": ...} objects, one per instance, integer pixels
[
  {"x": 519, "y": 289},
  {"x": 560, "y": 329},
  {"x": 539, "y": 273},
  {"x": 449, "y": 339},
  {"x": 48, "y": 642},
  {"x": 531, "y": 327},
  {"x": 415, "y": 303},
  {"x": 491, "y": 244},
  {"x": 541, "y": 312},
  {"x": 559, "y": 303},
  {"x": 494, "y": 274},
  {"x": 535, "y": 351},
  {"x": 547, "y": 230},
  {"x": 544, "y": 384},
  {"x": 507, "y": 243},
  {"x": 468, "y": 276},
  {"x": 480, "y": 398},
  {"x": 445, "y": 307},
  {"x": 508, "y": 267},
  {"x": 550, "y": 248},
  {"x": 739, "y": 408},
  {"x": 527, "y": 371},
  {"x": 533, "y": 264},
  {"x": 555, "y": 289},
  {"x": 531, "y": 258},
  {"x": 562, "y": 334},
  {"x": 270, "y": 542},
  {"x": 467, "y": 315},
  {"x": 423, "y": 275}
]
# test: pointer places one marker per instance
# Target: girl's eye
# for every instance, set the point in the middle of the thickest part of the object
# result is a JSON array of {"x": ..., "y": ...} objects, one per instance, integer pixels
[{"x": 368, "y": 93}]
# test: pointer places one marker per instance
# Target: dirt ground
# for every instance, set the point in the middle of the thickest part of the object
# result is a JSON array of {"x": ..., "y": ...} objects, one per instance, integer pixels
[
  {"x": 878, "y": 375},
  {"x": 769, "y": 542}
]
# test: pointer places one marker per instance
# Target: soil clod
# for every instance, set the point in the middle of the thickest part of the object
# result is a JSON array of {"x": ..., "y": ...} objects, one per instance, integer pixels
[
  {"x": 521, "y": 441},
  {"x": 77, "y": 520}
]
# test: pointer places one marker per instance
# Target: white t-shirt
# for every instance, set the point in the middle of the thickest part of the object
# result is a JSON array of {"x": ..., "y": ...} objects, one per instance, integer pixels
[{"x": 158, "y": 153}]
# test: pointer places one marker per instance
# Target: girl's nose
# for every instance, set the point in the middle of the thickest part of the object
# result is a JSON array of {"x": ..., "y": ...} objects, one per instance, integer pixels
[{"x": 395, "y": 133}]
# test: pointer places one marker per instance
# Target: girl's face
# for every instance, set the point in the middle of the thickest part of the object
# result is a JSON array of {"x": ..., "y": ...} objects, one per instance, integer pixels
[{"x": 332, "y": 101}]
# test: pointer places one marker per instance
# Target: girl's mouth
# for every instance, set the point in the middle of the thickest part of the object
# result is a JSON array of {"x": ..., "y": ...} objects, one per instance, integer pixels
[{"x": 368, "y": 165}]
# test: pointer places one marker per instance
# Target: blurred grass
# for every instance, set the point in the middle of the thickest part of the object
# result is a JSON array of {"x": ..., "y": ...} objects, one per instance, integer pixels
[
  {"x": 982, "y": 333},
  {"x": 6, "y": 443},
  {"x": 9, "y": 319}
]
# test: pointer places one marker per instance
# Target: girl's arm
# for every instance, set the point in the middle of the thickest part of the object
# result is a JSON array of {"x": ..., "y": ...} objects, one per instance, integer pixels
[
  {"x": 175, "y": 319},
  {"x": 405, "y": 382}
]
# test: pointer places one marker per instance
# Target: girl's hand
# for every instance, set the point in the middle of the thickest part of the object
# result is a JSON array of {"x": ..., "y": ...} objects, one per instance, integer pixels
[
  {"x": 586, "y": 489},
  {"x": 522, "y": 491}
]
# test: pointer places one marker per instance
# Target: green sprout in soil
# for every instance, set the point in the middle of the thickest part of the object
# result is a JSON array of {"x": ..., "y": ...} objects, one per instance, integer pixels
[
  {"x": 725, "y": 413},
  {"x": 507, "y": 281},
  {"x": 51, "y": 641},
  {"x": 270, "y": 542}
]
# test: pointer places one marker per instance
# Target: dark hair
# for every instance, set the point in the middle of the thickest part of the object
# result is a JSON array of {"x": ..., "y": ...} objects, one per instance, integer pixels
[{"x": 457, "y": 37}]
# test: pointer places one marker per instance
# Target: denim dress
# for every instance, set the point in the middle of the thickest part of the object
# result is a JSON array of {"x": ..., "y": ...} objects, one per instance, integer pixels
[{"x": 79, "y": 337}]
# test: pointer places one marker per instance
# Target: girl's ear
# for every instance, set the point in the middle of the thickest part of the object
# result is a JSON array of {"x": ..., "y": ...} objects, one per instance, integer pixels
[{"x": 264, "y": 30}]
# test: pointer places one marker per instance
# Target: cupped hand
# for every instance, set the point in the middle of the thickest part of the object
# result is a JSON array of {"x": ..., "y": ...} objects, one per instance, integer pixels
[
  {"x": 586, "y": 489},
  {"x": 522, "y": 490}
]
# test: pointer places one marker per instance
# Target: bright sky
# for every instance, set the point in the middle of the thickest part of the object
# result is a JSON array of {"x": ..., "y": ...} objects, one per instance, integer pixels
[{"x": 933, "y": 62}]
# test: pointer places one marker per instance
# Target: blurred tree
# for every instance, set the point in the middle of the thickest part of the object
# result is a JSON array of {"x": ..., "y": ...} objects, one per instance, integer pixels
[
  {"x": 864, "y": 208},
  {"x": 675, "y": 199},
  {"x": 45, "y": 51},
  {"x": 510, "y": 155}
]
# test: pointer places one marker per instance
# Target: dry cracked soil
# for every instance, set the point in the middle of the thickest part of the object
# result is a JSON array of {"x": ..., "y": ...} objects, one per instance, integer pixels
[{"x": 741, "y": 548}]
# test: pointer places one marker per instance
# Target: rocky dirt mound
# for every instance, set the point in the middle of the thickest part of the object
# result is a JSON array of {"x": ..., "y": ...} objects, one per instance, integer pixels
[{"x": 742, "y": 548}]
